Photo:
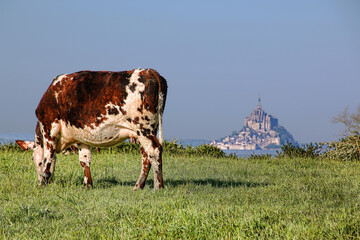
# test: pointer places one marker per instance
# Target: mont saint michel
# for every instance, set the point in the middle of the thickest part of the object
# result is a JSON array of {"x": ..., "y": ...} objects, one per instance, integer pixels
[{"x": 261, "y": 131}]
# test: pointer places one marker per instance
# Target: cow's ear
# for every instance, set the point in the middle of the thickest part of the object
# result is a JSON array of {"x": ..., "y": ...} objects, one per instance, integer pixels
[{"x": 26, "y": 145}]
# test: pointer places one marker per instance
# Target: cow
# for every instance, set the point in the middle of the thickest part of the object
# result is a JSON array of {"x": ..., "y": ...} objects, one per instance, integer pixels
[{"x": 100, "y": 109}]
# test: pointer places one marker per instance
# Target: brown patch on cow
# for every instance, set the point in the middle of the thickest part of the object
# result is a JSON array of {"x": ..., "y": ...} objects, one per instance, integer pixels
[
  {"x": 74, "y": 149},
  {"x": 80, "y": 102},
  {"x": 51, "y": 149},
  {"x": 113, "y": 111},
  {"x": 87, "y": 173},
  {"x": 155, "y": 142},
  {"x": 159, "y": 178},
  {"x": 38, "y": 136},
  {"x": 123, "y": 111},
  {"x": 159, "y": 175},
  {"x": 150, "y": 95},
  {"x": 48, "y": 165},
  {"x": 145, "y": 131},
  {"x": 132, "y": 87},
  {"x": 140, "y": 109},
  {"x": 154, "y": 84},
  {"x": 136, "y": 120}
]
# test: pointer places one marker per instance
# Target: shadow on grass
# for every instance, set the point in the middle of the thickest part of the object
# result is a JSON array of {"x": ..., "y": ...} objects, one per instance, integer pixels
[
  {"x": 112, "y": 181},
  {"x": 214, "y": 183}
]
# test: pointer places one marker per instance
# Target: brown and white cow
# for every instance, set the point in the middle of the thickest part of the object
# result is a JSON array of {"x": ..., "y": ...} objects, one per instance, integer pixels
[{"x": 100, "y": 109}]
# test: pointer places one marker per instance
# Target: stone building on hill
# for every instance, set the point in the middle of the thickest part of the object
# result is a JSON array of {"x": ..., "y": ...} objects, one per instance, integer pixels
[
  {"x": 260, "y": 131},
  {"x": 259, "y": 120}
]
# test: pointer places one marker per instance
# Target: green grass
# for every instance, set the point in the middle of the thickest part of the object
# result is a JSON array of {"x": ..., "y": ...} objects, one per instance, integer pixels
[{"x": 203, "y": 198}]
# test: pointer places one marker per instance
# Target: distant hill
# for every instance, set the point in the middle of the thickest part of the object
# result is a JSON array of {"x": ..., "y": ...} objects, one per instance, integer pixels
[{"x": 11, "y": 137}]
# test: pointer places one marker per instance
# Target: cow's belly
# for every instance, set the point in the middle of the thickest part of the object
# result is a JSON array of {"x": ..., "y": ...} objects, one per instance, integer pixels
[{"x": 106, "y": 135}]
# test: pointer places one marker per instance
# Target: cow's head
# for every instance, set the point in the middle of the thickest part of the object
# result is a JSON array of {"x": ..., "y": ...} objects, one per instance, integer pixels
[{"x": 38, "y": 154}]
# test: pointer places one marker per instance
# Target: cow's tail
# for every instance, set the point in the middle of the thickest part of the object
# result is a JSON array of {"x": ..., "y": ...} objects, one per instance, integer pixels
[
  {"x": 161, "y": 135},
  {"x": 162, "y": 100}
]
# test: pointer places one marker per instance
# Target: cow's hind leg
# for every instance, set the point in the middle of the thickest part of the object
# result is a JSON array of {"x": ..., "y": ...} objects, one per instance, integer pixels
[
  {"x": 144, "y": 170},
  {"x": 151, "y": 155},
  {"x": 85, "y": 160}
]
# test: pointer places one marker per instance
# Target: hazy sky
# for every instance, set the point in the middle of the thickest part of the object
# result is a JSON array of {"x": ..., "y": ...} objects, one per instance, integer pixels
[{"x": 303, "y": 57}]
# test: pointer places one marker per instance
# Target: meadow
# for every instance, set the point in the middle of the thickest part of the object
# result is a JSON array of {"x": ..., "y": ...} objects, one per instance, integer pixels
[{"x": 204, "y": 198}]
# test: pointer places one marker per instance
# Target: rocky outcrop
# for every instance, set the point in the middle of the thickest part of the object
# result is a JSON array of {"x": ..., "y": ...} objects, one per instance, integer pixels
[{"x": 260, "y": 131}]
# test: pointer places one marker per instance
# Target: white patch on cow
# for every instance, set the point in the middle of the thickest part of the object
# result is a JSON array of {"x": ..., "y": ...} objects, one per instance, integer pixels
[
  {"x": 84, "y": 154},
  {"x": 59, "y": 79},
  {"x": 56, "y": 97},
  {"x": 85, "y": 180},
  {"x": 133, "y": 100},
  {"x": 55, "y": 129},
  {"x": 161, "y": 101}
]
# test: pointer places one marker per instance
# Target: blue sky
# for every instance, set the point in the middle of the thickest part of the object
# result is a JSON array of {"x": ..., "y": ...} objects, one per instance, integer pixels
[{"x": 303, "y": 57}]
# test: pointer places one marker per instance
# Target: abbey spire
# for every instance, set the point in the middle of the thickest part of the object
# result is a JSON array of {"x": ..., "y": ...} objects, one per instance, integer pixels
[{"x": 259, "y": 102}]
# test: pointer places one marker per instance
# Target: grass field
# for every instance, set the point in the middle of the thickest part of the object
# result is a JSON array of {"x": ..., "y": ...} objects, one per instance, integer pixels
[{"x": 203, "y": 198}]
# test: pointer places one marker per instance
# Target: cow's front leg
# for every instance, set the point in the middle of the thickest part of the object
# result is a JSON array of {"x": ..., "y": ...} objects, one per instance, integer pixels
[
  {"x": 152, "y": 152},
  {"x": 85, "y": 160}
]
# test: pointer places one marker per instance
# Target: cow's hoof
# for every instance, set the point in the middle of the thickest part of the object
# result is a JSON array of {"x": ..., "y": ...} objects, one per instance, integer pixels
[
  {"x": 88, "y": 185},
  {"x": 137, "y": 187},
  {"x": 41, "y": 184}
]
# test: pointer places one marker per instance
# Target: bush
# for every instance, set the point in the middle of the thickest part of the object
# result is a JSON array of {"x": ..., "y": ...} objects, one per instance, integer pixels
[
  {"x": 210, "y": 151},
  {"x": 345, "y": 149},
  {"x": 126, "y": 147},
  {"x": 348, "y": 148},
  {"x": 174, "y": 148},
  {"x": 305, "y": 151},
  {"x": 260, "y": 156}
]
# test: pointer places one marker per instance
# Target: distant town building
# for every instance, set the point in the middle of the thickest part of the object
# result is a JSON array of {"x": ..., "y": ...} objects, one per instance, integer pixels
[{"x": 260, "y": 131}]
